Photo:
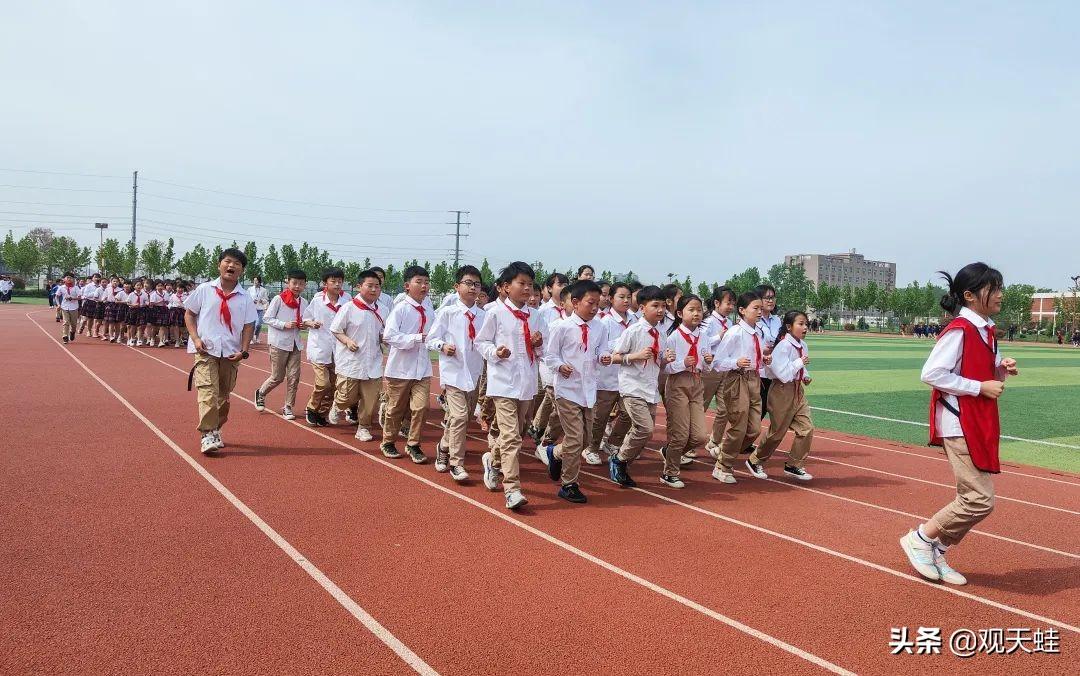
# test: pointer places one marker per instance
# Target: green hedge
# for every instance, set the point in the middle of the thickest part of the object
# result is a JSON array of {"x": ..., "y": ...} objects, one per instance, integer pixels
[{"x": 29, "y": 293}]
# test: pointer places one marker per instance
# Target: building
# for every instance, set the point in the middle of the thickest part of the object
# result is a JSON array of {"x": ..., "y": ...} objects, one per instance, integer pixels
[
  {"x": 845, "y": 269},
  {"x": 1044, "y": 307}
]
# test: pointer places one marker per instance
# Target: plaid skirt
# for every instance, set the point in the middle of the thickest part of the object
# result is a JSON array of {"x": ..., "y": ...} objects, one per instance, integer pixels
[
  {"x": 99, "y": 309},
  {"x": 176, "y": 316},
  {"x": 88, "y": 308},
  {"x": 121, "y": 313},
  {"x": 110, "y": 311},
  {"x": 136, "y": 316}
]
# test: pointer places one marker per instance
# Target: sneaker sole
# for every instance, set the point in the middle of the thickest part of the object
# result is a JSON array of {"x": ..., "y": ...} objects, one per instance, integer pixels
[
  {"x": 798, "y": 477},
  {"x": 911, "y": 559}
]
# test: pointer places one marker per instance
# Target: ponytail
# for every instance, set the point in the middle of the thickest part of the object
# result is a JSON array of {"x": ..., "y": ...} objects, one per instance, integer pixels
[
  {"x": 978, "y": 278},
  {"x": 789, "y": 319}
]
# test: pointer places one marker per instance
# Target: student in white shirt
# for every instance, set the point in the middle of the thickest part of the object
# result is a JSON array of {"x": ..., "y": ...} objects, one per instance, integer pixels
[
  {"x": 408, "y": 367},
  {"x": 67, "y": 299},
  {"x": 511, "y": 342},
  {"x": 285, "y": 317},
  {"x": 683, "y": 400},
  {"x": 788, "y": 408},
  {"x": 157, "y": 322},
  {"x": 967, "y": 376},
  {"x": 108, "y": 300},
  {"x": 767, "y": 327},
  {"x": 261, "y": 297},
  {"x": 722, "y": 303},
  {"x": 89, "y": 295},
  {"x": 742, "y": 357},
  {"x": 318, "y": 316},
  {"x": 607, "y": 383},
  {"x": 550, "y": 311},
  {"x": 641, "y": 353},
  {"x": 175, "y": 312},
  {"x": 220, "y": 319},
  {"x": 122, "y": 311},
  {"x": 136, "y": 314},
  {"x": 453, "y": 336},
  {"x": 358, "y": 358},
  {"x": 573, "y": 351},
  {"x": 386, "y": 303}
]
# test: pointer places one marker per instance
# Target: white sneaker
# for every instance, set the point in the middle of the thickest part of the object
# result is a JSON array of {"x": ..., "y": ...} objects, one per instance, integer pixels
[
  {"x": 334, "y": 417},
  {"x": 692, "y": 453},
  {"x": 491, "y": 475},
  {"x": 363, "y": 434},
  {"x": 208, "y": 445},
  {"x": 713, "y": 449},
  {"x": 458, "y": 473},
  {"x": 672, "y": 481},
  {"x": 685, "y": 459},
  {"x": 287, "y": 413},
  {"x": 608, "y": 448},
  {"x": 947, "y": 573},
  {"x": 591, "y": 457},
  {"x": 131, "y": 343},
  {"x": 756, "y": 470},
  {"x": 541, "y": 454},
  {"x": 515, "y": 499},
  {"x": 138, "y": 343},
  {"x": 161, "y": 343},
  {"x": 723, "y": 476},
  {"x": 921, "y": 555},
  {"x": 217, "y": 439}
]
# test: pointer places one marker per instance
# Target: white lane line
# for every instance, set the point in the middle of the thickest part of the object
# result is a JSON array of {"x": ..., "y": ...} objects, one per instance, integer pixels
[
  {"x": 354, "y": 609},
  {"x": 651, "y": 586}
]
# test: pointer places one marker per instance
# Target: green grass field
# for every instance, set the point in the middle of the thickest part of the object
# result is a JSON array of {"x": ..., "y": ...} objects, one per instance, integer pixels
[
  {"x": 28, "y": 300},
  {"x": 880, "y": 376}
]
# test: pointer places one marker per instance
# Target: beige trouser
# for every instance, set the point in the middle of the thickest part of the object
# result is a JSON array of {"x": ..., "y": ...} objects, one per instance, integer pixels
[
  {"x": 487, "y": 406},
  {"x": 974, "y": 493},
  {"x": 459, "y": 405},
  {"x": 71, "y": 321},
  {"x": 284, "y": 366},
  {"x": 713, "y": 386},
  {"x": 742, "y": 396},
  {"x": 642, "y": 416},
  {"x": 512, "y": 418},
  {"x": 404, "y": 397},
  {"x": 606, "y": 402},
  {"x": 364, "y": 394},
  {"x": 685, "y": 418},
  {"x": 214, "y": 380},
  {"x": 576, "y": 422},
  {"x": 322, "y": 394},
  {"x": 788, "y": 409}
]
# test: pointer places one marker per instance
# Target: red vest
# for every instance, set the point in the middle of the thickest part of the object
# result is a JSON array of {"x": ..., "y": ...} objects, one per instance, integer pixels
[{"x": 978, "y": 414}]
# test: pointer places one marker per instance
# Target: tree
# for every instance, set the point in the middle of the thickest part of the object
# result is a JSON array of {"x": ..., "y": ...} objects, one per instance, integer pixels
[
  {"x": 192, "y": 265},
  {"x": 1016, "y": 304},
  {"x": 352, "y": 273},
  {"x": 290, "y": 259},
  {"x": 110, "y": 256},
  {"x": 65, "y": 254},
  {"x": 793, "y": 289},
  {"x": 23, "y": 255},
  {"x": 745, "y": 280},
  {"x": 156, "y": 258},
  {"x": 825, "y": 298},
  {"x": 704, "y": 292},
  {"x": 254, "y": 267},
  {"x": 129, "y": 260},
  {"x": 487, "y": 275},
  {"x": 686, "y": 285},
  {"x": 272, "y": 265},
  {"x": 442, "y": 278},
  {"x": 44, "y": 238}
]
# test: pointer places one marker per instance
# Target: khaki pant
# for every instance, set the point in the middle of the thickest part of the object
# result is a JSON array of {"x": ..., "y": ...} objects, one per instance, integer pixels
[
  {"x": 713, "y": 386},
  {"x": 512, "y": 418},
  {"x": 788, "y": 409},
  {"x": 405, "y": 397},
  {"x": 459, "y": 406},
  {"x": 974, "y": 493},
  {"x": 742, "y": 396},
  {"x": 364, "y": 394},
  {"x": 642, "y": 416},
  {"x": 544, "y": 420},
  {"x": 487, "y": 406},
  {"x": 71, "y": 320},
  {"x": 685, "y": 418},
  {"x": 214, "y": 380},
  {"x": 284, "y": 366},
  {"x": 606, "y": 402},
  {"x": 322, "y": 394},
  {"x": 576, "y": 422}
]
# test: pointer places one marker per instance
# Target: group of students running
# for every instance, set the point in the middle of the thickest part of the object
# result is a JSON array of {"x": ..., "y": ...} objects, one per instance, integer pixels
[{"x": 140, "y": 312}]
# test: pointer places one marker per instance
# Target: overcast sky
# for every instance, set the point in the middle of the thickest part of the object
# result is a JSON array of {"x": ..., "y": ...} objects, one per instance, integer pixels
[{"x": 682, "y": 137}]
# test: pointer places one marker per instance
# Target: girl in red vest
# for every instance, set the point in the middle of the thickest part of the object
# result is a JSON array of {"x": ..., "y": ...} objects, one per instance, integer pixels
[{"x": 967, "y": 376}]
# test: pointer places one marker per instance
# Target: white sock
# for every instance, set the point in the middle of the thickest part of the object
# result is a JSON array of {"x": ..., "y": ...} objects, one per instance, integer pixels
[{"x": 923, "y": 536}]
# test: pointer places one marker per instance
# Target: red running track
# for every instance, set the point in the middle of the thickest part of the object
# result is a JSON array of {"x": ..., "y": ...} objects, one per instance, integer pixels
[{"x": 759, "y": 576}]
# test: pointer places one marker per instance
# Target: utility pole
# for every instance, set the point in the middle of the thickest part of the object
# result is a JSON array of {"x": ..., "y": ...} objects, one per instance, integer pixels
[
  {"x": 101, "y": 227},
  {"x": 457, "y": 237},
  {"x": 134, "y": 203}
]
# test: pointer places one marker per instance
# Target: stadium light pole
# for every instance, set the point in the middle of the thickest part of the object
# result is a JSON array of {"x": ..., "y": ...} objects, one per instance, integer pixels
[{"x": 101, "y": 228}]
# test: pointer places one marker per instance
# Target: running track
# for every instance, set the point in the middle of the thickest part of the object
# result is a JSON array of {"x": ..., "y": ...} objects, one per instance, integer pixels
[{"x": 303, "y": 551}]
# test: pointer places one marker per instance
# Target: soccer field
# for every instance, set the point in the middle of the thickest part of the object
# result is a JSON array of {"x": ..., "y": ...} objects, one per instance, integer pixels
[{"x": 880, "y": 377}]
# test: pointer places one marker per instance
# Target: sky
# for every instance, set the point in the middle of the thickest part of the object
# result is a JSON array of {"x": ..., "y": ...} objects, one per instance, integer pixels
[{"x": 694, "y": 138}]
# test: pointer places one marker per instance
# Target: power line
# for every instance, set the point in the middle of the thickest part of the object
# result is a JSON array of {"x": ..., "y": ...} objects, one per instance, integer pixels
[
  {"x": 185, "y": 230},
  {"x": 60, "y": 173},
  {"x": 67, "y": 204},
  {"x": 48, "y": 187},
  {"x": 280, "y": 225},
  {"x": 281, "y": 213}
]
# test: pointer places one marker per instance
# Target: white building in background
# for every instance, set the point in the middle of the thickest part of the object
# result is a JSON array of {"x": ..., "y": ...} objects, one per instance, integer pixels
[{"x": 845, "y": 269}]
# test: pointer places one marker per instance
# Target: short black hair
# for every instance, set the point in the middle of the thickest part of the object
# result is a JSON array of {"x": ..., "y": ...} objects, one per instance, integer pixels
[
  {"x": 634, "y": 285},
  {"x": 333, "y": 272},
  {"x": 745, "y": 298},
  {"x": 648, "y": 293},
  {"x": 511, "y": 271},
  {"x": 467, "y": 270},
  {"x": 581, "y": 287},
  {"x": 555, "y": 277},
  {"x": 537, "y": 287},
  {"x": 719, "y": 293},
  {"x": 414, "y": 271},
  {"x": 297, "y": 273},
  {"x": 370, "y": 273},
  {"x": 236, "y": 254},
  {"x": 377, "y": 270},
  {"x": 670, "y": 291},
  {"x": 564, "y": 292},
  {"x": 615, "y": 286},
  {"x": 585, "y": 267},
  {"x": 762, "y": 288}
]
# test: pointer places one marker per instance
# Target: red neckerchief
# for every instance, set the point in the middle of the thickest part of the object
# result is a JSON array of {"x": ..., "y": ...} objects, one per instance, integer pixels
[
  {"x": 757, "y": 351},
  {"x": 292, "y": 301},
  {"x": 584, "y": 337},
  {"x": 693, "y": 352},
  {"x": 330, "y": 305},
  {"x": 802, "y": 371},
  {"x": 364, "y": 306},
  {"x": 991, "y": 338},
  {"x": 472, "y": 329},
  {"x": 722, "y": 320},
  {"x": 423, "y": 316},
  {"x": 655, "y": 349},
  {"x": 524, "y": 317},
  {"x": 226, "y": 316}
]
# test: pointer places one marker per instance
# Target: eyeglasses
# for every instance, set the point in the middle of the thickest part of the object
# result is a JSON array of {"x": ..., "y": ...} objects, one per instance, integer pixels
[
  {"x": 768, "y": 298},
  {"x": 469, "y": 284}
]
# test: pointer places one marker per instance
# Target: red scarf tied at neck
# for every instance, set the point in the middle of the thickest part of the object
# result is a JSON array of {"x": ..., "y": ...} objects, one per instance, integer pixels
[
  {"x": 293, "y": 301},
  {"x": 226, "y": 316}
]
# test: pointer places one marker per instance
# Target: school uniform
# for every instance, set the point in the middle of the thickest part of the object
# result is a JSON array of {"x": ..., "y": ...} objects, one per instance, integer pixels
[
  {"x": 122, "y": 306},
  {"x": 89, "y": 296},
  {"x": 458, "y": 325},
  {"x": 742, "y": 390},
  {"x": 175, "y": 306},
  {"x": 511, "y": 382},
  {"x": 963, "y": 422},
  {"x": 683, "y": 397},
  {"x": 768, "y": 329},
  {"x": 285, "y": 344},
  {"x": 320, "y": 349},
  {"x": 156, "y": 309},
  {"x": 221, "y": 318},
  {"x": 67, "y": 298},
  {"x": 712, "y": 378},
  {"x": 99, "y": 303},
  {"x": 578, "y": 344},
  {"x": 788, "y": 407},
  {"x": 639, "y": 386},
  {"x": 607, "y": 389},
  {"x": 136, "y": 301},
  {"x": 358, "y": 375},
  {"x": 665, "y": 323},
  {"x": 549, "y": 313},
  {"x": 408, "y": 368},
  {"x": 108, "y": 301}
]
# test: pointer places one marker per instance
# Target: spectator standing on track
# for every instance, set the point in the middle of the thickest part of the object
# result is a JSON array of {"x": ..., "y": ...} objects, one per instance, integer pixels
[
  {"x": 6, "y": 285},
  {"x": 220, "y": 318},
  {"x": 967, "y": 376}
]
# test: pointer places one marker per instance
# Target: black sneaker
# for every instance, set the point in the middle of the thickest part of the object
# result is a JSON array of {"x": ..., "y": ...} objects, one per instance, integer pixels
[
  {"x": 572, "y": 493},
  {"x": 797, "y": 472},
  {"x": 756, "y": 469},
  {"x": 390, "y": 451},
  {"x": 749, "y": 449},
  {"x": 321, "y": 421},
  {"x": 311, "y": 417},
  {"x": 416, "y": 455},
  {"x": 617, "y": 471},
  {"x": 65, "y": 339},
  {"x": 554, "y": 465},
  {"x": 350, "y": 416},
  {"x": 260, "y": 400},
  {"x": 537, "y": 435},
  {"x": 442, "y": 458}
]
